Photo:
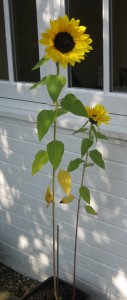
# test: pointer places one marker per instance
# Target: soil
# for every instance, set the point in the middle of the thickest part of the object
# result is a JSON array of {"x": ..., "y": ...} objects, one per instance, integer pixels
[{"x": 14, "y": 286}]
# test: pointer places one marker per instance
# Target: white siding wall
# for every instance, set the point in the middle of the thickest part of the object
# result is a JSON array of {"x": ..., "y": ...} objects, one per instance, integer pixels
[{"x": 25, "y": 223}]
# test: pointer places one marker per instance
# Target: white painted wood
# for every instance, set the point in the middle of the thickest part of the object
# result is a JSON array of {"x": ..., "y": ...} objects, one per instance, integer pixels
[
  {"x": 25, "y": 223},
  {"x": 44, "y": 15},
  {"x": 106, "y": 46},
  {"x": 8, "y": 40},
  {"x": 115, "y": 103}
]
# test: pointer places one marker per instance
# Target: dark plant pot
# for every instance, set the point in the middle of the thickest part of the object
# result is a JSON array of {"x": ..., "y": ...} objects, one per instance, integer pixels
[{"x": 44, "y": 291}]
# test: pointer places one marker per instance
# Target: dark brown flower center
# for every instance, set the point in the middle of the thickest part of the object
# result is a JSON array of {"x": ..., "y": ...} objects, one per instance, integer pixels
[{"x": 64, "y": 42}]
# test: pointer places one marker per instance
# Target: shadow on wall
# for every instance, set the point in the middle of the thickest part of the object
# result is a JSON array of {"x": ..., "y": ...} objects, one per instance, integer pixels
[{"x": 26, "y": 230}]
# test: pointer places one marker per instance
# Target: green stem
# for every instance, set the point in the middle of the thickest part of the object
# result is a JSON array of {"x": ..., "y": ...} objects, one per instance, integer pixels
[
  {"x": 58, "y": 68},
  {"x": 77, "y": 220},
  {"x": 53, "y": 206}
]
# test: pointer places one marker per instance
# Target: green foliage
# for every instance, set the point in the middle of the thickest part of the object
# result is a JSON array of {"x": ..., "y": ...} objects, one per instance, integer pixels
[
  {"x": 72, "y": 104},
  {"x": 85, "y": 194},
  {"x": 55, "y": 152},
  {"x": 86, "y": 144},
  {"x": 96, "y": 157},
  {"x": 98, "y": 134},
  {"x": 41, "y": 62},
  {"x": 61, "y": 111},
  {"x": 44, "y": 119},
  {"x": 90, "y": 210},
  {"x": 55, "y": 149},
  {"x": 41, "y": 158},
  {"x": 80, "y": 130},
  {"x": 55, "y": 84},
  {"x": 101, "y": 136},
  {"x": 41, "y": 82},
  {"x": 74, "y": 164}
]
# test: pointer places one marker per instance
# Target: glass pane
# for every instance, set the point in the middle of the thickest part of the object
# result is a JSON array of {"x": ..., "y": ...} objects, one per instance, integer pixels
[
  {"x": 3, "y": 53},
  {"x": 119, "y": 45},
  {"x": 88, "y": 73},
  {"x": 25, "y": 40}
]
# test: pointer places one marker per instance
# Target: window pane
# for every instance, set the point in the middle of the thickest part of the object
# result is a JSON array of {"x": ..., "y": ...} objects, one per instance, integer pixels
[
  {"x": 88, "y": 73},
  {"x": 3, "y": 53},
  {"x": 25, "y": 39},
  {"x": 119, "y": 45}
]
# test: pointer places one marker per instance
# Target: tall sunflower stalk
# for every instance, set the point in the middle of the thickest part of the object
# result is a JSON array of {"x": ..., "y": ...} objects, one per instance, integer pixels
[
  {"x": 66, "y": 42},
  {"x": 96, "y": 116}
]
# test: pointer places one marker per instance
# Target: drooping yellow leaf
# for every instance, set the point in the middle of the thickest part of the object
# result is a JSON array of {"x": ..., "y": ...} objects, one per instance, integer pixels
[
  {"x": 64, "y": 179},
  {"x": 49, "y": 197},
  {"x": 68, "y": 199}
]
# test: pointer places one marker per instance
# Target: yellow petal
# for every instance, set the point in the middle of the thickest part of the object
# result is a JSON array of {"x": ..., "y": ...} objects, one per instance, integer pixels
[
  {"x": 64, "y": 179},
  {"x": 98, "y": 114},
  {"x": 49, "y": 196},
  {"x": 68, "y": 199},
  {"x": 57, "y": 51}
]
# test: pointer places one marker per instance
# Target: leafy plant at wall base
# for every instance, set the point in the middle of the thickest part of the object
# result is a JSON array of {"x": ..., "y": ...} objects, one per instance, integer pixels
[
  {"x": 66, "y": 43},
  {"x": 55, "y": 148},
  {"x": 84, "y": 193}
]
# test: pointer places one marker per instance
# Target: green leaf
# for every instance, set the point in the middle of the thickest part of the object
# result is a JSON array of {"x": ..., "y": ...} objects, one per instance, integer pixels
[
  {"x": 86, "y": 144},
  {"x": 90, "y": 210},
  {"x": 55, "y": 152},
  {"x": 41, "y": 158},
  {"x": 96, "y": 157},
  {"x": 55, "y": 84},
  {"x": 80, "y": 130},
  {"x": 98, "y": 134},
  {"x": 74, "y": 164},
  {"x": 44, "y": 119},
  {"x": 101, "y": 136},
  {"x": 41, "y": 62},
  {"x": 61, "y": 112},
  {"x": 72, "y": 104},
  {"x": 85, "y": 194},
  {"x": 41, "y": 82}
]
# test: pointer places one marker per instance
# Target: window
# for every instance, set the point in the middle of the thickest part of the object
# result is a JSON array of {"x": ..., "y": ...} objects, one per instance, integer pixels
[
  {"x": 102, "y": 77},
  {"x": 3, "y": 52},
  {"x": 119, "y": 46},
  {"x": 21, "y": 23},
  {"x": 89, "y": 74},
  {"x": 24, "y": 40}
]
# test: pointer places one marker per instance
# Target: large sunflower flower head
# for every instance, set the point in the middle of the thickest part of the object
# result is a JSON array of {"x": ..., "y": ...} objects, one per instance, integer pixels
[
  {"x": 97, "y": 114},
  {"x": 66, "y": 42}
]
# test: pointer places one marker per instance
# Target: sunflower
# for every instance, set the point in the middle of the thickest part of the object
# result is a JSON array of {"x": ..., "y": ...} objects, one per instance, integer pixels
[
  {"x": 97, "y": 114},
  {"x": 66, "y": 41}
]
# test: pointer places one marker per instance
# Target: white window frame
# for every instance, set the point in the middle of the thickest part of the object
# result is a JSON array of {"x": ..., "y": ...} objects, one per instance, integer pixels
[
  {"x": 115, "y": 103},
  {"x": 20, "y": 90}
]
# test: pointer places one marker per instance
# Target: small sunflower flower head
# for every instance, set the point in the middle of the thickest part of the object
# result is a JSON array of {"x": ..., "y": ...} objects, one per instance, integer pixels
[
  {"x": 66, "y": 42},
  {"x": 49, "y": 197},
  {"x": 97, "y": 115}
]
